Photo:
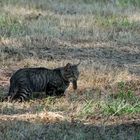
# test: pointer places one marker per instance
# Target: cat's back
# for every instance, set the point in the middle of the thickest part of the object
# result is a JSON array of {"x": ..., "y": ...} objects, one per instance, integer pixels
[{"x": 24, "y": 72}]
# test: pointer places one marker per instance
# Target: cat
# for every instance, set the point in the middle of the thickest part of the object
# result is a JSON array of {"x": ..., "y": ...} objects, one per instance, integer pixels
[{"x": 53, "y": 82}]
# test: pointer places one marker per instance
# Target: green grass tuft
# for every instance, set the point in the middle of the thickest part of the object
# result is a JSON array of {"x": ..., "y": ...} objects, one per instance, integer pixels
[{"x": 12, "y": 27}]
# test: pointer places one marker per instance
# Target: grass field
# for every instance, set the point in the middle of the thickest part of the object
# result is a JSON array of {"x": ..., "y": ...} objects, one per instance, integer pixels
[{"x": 105, "y": 36}]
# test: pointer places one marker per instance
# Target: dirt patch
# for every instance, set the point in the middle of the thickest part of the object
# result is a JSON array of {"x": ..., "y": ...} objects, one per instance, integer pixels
[
  {"x": 4, "y": 77},
  {"x": 44, "y": 117}
]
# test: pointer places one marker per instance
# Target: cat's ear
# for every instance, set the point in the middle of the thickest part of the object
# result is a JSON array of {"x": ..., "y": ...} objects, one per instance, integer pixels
[{"x": 67, "y": 66}]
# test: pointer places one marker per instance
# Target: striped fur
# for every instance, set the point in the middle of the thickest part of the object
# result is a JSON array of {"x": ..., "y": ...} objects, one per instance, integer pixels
[{"x": 52, "y": 81}]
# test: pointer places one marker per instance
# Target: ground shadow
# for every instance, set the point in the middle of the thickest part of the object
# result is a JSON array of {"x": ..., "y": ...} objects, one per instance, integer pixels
[
  {"x": 21, "y": 130},
  {"x": 51, "y": 50}
]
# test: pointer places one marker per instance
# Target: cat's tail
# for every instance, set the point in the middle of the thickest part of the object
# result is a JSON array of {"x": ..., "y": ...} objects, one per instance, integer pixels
[{"x": 12, "y": 92}]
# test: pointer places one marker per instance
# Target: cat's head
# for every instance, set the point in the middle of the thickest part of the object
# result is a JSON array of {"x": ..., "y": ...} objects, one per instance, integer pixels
[{"x": 71, "y": 74}]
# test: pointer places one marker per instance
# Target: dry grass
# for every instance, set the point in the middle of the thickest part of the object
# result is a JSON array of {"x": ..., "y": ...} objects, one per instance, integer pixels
[{"x": 105, "y": 36}]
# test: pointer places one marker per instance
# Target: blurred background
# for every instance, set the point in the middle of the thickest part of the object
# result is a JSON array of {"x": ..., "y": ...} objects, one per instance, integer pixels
[{"x": 104, "y": 35}]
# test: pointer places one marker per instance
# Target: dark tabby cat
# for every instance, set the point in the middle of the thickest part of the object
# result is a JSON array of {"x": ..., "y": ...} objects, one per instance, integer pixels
[{"x": 52, "y": 81}]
